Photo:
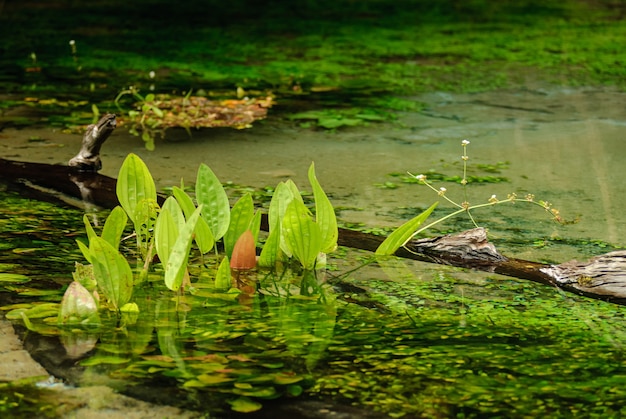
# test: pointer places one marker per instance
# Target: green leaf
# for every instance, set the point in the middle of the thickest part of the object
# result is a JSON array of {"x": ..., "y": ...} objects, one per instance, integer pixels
[
  {"x": 91, "y": 233},
  {"x": 245, "y": 405},
  {"x": 403, "y": 233},
  {"x": 148, "y": 138},
  {"x": 134, "y": 183},
  {"x": 165, "y": 234},
  {"x": 172, "y": 206},
  {"x": 177, "y": 262},
  {"x": 114, "y": 226},
  {"x": 13, "y": 278},
  {"x": 157, "y": 111},
  {"x": 103, "y": 360},
  {"x": 84, "y": 250},
  {"x": 222, "y": 278},
  {"x": 284, "y": 193},
  {"x": 167, "y": 227},
  {"x": 240, "y": 217},
  {"x": 270, "y": 254},
  {"x": 83, "y": 274},
  {"x": 211, "y": 194},
  {"x": 203, "y": 236},
  {"x": 255, "y": 225},
  {"x": 112, "y": 272},
  {"x": 301, "y": 235},
  {"x": 324, "y": 214}
]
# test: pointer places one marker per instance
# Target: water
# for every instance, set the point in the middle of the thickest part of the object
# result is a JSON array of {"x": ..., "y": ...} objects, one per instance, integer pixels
[
  {"x": 422, "y": 340},
  {"x": 399, "y": 337},
  {"x": 562, "y": 145}
]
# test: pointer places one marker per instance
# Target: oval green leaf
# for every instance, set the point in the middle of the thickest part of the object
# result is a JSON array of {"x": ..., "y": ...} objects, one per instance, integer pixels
[
  {"x": 203, "y": 236},
  {"x": 177, "y": 262},
  {"x": 114, "y": 226},
  {"x": 134, "y": 183},
  {"x": 301, "y": 235},
  {"x": 211, "y": 194},
  {"x": 112, "y": 272},
  {"x": 165, "y": 234}
]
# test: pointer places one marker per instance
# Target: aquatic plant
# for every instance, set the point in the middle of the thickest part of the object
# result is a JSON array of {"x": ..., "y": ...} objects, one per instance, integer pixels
[
  {"x": 292, "y": 230},
  {"x": 411, "y": 228},
  {"x": 168, "y": 231},
  {"x": 154, "y": 114}
]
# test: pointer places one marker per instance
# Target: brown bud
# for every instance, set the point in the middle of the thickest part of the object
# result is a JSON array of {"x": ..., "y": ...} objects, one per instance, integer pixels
[{"x": 244, "y": 252}]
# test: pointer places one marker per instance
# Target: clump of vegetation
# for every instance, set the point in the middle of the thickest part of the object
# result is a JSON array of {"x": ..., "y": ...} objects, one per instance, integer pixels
[{"x": 154, "y": 114}]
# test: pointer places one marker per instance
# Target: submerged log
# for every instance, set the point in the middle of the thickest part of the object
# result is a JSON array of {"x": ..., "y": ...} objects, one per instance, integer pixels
[{"x": 603, "y": 277}]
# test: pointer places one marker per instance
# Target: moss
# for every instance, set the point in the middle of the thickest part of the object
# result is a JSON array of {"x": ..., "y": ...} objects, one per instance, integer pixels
[{"x": 356, "y": 48}]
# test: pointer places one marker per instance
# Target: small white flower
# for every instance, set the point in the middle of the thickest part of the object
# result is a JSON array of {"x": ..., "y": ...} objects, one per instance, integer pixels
[
  {"x": 493, "y": 199},
  {"x": 465, "y": 142},
  {"x": 421, "y": 178},
  {"x": 152, "y": 74},
  {"x": 72, "y": 42},
  {"x": 442, "y": 191}
]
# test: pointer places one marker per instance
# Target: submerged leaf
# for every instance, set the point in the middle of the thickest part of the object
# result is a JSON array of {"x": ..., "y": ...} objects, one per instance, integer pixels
[
  {"x": 245, "y": 405},
  {"x": 13, "y": 278}
]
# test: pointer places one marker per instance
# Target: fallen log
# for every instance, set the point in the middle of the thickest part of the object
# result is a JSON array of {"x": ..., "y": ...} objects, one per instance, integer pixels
[{"x": 602, "y": 277}]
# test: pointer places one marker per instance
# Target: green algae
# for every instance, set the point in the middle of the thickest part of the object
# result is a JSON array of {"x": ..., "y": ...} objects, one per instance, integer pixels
[
  {"x": 400, "y": 337},
  {"x": 326, "y": 53}
]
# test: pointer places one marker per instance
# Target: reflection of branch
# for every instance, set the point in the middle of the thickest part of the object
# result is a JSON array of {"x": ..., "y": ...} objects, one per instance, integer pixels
[{"x": 88, "y": 158}]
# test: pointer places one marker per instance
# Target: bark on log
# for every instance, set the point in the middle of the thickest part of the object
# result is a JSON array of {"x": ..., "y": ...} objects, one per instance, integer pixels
[
  {"x": 603, "y": 277},
  {"x": 88, "y": 158}
]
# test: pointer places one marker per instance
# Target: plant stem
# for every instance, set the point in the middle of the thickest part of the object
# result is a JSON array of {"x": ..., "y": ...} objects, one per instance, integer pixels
[{"x": 511, "y": 199}]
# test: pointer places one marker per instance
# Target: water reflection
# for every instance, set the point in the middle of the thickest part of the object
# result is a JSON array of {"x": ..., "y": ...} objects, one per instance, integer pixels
[{"x": 263, "y": 347}]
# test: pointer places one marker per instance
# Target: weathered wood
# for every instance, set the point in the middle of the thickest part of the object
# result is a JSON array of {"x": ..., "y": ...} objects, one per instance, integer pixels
[
  {"x": 603, "y": 277},
  {"x": 88, "y": 158}
]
